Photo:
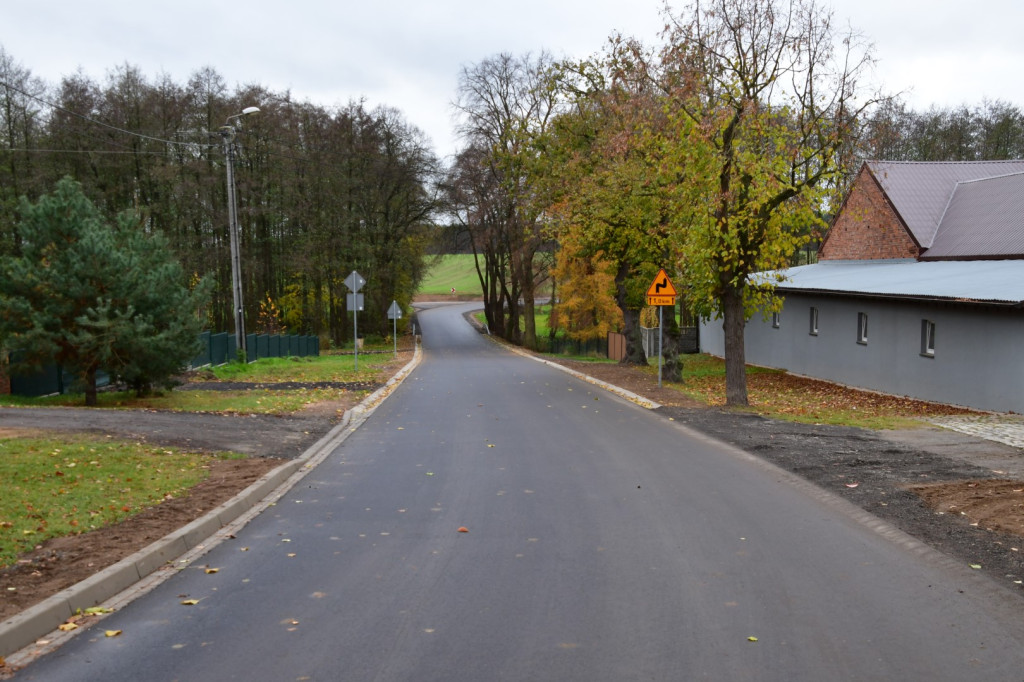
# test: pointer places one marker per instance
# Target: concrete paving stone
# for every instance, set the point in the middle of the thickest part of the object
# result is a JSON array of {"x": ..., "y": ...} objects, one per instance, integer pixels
[{"x": 1001, "y": 428}]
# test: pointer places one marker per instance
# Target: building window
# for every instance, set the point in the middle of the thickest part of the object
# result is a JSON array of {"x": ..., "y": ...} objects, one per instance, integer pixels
[
  {"x": 928, "y": 338},
  {"x": 814, "y": 321},
  {"x": 862, "y": 328},
  {"x": 776, "y": 320}
]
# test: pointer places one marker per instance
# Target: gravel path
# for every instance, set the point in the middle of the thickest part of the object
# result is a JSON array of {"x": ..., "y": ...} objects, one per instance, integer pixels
[{"x": 255, "y": 435}]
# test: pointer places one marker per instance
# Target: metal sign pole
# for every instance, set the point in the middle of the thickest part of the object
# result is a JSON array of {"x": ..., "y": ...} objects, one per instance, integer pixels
[
  {"x": 661, "y": 338},
  {"x": 355, "y": 282}
]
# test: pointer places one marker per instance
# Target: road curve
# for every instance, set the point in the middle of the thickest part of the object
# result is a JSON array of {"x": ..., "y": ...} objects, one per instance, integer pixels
[{"x": 601, "y": 542}]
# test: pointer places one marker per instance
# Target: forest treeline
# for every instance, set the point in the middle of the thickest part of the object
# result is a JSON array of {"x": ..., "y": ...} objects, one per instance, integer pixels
[{"x": 320, "y": 191}]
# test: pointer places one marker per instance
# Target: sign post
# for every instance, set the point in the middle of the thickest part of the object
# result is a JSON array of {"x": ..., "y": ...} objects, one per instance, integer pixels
[
  {"x": 661, "y": 293},
  {"x": 395, "y": 313},
  {"x": 354, "y": 301}
]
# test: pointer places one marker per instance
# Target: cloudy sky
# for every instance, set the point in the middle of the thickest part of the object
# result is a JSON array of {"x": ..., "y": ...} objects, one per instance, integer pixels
[{"x": 408, "y": 53}]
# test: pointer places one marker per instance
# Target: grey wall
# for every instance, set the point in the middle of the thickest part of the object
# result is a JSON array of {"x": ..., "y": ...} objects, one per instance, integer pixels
[{"x": 978, "y": 361}]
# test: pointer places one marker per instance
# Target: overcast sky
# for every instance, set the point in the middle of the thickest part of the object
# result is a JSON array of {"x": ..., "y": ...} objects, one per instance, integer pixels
[{"x": 408, "y": 53}]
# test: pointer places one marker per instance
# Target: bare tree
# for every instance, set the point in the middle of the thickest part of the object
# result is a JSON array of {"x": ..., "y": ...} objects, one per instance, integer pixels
[{"x": 504, "y": 103}]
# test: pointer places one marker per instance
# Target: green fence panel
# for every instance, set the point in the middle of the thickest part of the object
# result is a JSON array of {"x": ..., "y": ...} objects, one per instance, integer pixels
[
  {"x": 219, "y": 348},
  {"x": 203, "y": 358},
  {"x": 263, "y": 346}
]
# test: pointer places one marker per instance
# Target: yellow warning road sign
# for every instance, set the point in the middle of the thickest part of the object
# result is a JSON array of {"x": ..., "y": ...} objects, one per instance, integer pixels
[{"x": 661, "y": 291}]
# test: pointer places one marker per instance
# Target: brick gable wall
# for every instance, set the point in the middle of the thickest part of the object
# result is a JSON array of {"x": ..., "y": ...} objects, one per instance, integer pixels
[{"x": 867, "y": 228}]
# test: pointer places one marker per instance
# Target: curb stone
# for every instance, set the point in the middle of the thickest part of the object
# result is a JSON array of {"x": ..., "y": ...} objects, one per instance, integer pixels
[{"x": 176, "y": 550}]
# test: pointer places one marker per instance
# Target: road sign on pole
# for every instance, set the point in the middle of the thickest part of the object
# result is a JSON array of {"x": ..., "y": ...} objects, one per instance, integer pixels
[
  {"x": 354, "y": 301},
  {"x": 395, "y": 314},
  {"x": 661, "y": 291},
  {"x": 355, "y": 281}
]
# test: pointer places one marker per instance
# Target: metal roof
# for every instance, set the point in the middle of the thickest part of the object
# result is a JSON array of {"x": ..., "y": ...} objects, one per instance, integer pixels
[
  {"x": 984, "y": 219},
  {"x": 999, "y": 282},
  {"x": 921, "y": 191}
]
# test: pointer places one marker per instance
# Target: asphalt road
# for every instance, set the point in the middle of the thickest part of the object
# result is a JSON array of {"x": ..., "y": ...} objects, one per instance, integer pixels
[{"x": 604, "y": 543}]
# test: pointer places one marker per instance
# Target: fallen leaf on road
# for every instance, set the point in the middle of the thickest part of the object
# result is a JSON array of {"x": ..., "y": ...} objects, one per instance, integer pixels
[
  {"x": 67, "y": 627},
  {"x": 852, "y": 485},
  {"x": 189, "y": 602},
  {"x": 211, "y": 571},
  {"x": 112, "y": 633},
  {"x": 976, "y": 566},
  {"x": 751, "y": 639},
  {"x": 463, "y": 529}
]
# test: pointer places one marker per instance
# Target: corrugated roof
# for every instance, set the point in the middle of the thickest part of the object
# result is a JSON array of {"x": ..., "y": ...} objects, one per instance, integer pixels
[
  {"x": 980, "y": 281},
  {"x": 985, "y": 219},
  {"x": 921, "y": 191}
]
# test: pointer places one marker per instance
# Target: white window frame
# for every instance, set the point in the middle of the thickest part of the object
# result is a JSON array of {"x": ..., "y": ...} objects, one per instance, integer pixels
[
  {"x": 776, "y": 320},
  {"x": 862, "y": 329},
  {"x": 928, "y": 338},
  {"x": 814, "y": 321}
]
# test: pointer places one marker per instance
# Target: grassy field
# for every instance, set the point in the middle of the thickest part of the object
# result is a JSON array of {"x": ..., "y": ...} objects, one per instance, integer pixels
[
  {"x": 57, "y": 486},
  {"x": 449, "y": 271}
]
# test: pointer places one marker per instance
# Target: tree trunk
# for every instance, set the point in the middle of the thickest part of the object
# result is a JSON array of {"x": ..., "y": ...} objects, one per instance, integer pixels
[
  {"x": 672, "y": 369},
  {"x": 735, "y": 352},
  {"x": 90, "y": 387},
  {"x": 630, "y": 321}
]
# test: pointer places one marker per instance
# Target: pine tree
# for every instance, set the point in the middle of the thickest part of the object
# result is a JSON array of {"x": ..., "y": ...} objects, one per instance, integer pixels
[{"x": 92, "y": 296}]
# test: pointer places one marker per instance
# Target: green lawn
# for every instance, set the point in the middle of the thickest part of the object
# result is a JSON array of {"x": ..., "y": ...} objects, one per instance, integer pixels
[
  {"x": 454, "y": 270},
  {"x": 61, "y": 486}
]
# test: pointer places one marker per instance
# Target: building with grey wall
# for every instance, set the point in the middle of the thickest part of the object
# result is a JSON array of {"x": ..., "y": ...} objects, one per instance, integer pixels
[
  {"x": 964, "y": 346},
  {"x": 919, "y": 290}
]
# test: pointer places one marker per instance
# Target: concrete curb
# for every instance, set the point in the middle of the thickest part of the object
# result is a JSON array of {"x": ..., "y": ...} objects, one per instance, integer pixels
[
  {"x": 37, "y": 621},
  {"x": 621, "y": 392}
]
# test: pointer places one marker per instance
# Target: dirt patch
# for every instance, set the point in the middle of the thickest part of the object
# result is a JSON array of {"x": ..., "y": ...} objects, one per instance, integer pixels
[
  {"x": 993, "y": 505},
  {"x": 61, "y": 562}
]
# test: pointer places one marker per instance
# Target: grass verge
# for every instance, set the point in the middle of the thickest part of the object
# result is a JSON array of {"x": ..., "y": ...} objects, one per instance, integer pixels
[
  {"x": 780, "y": 395},
  {"x": 56, "y": 486},
  {"x": 373, "y": 368}
]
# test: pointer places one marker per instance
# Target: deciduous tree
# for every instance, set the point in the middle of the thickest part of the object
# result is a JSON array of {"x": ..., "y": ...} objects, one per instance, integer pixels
[{"x": 769, "y": 95}]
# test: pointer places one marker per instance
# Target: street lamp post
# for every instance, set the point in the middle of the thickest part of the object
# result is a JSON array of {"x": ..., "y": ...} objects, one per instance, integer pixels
[{"x": 227, "y": 131}]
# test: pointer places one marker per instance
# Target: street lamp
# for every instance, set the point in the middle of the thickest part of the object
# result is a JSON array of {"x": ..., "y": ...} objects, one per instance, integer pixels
[{"x": 228, "y": 131}]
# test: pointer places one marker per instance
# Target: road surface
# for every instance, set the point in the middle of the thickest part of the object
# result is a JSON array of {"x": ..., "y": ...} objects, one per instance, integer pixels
[{"x": 604, "y": 543}]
